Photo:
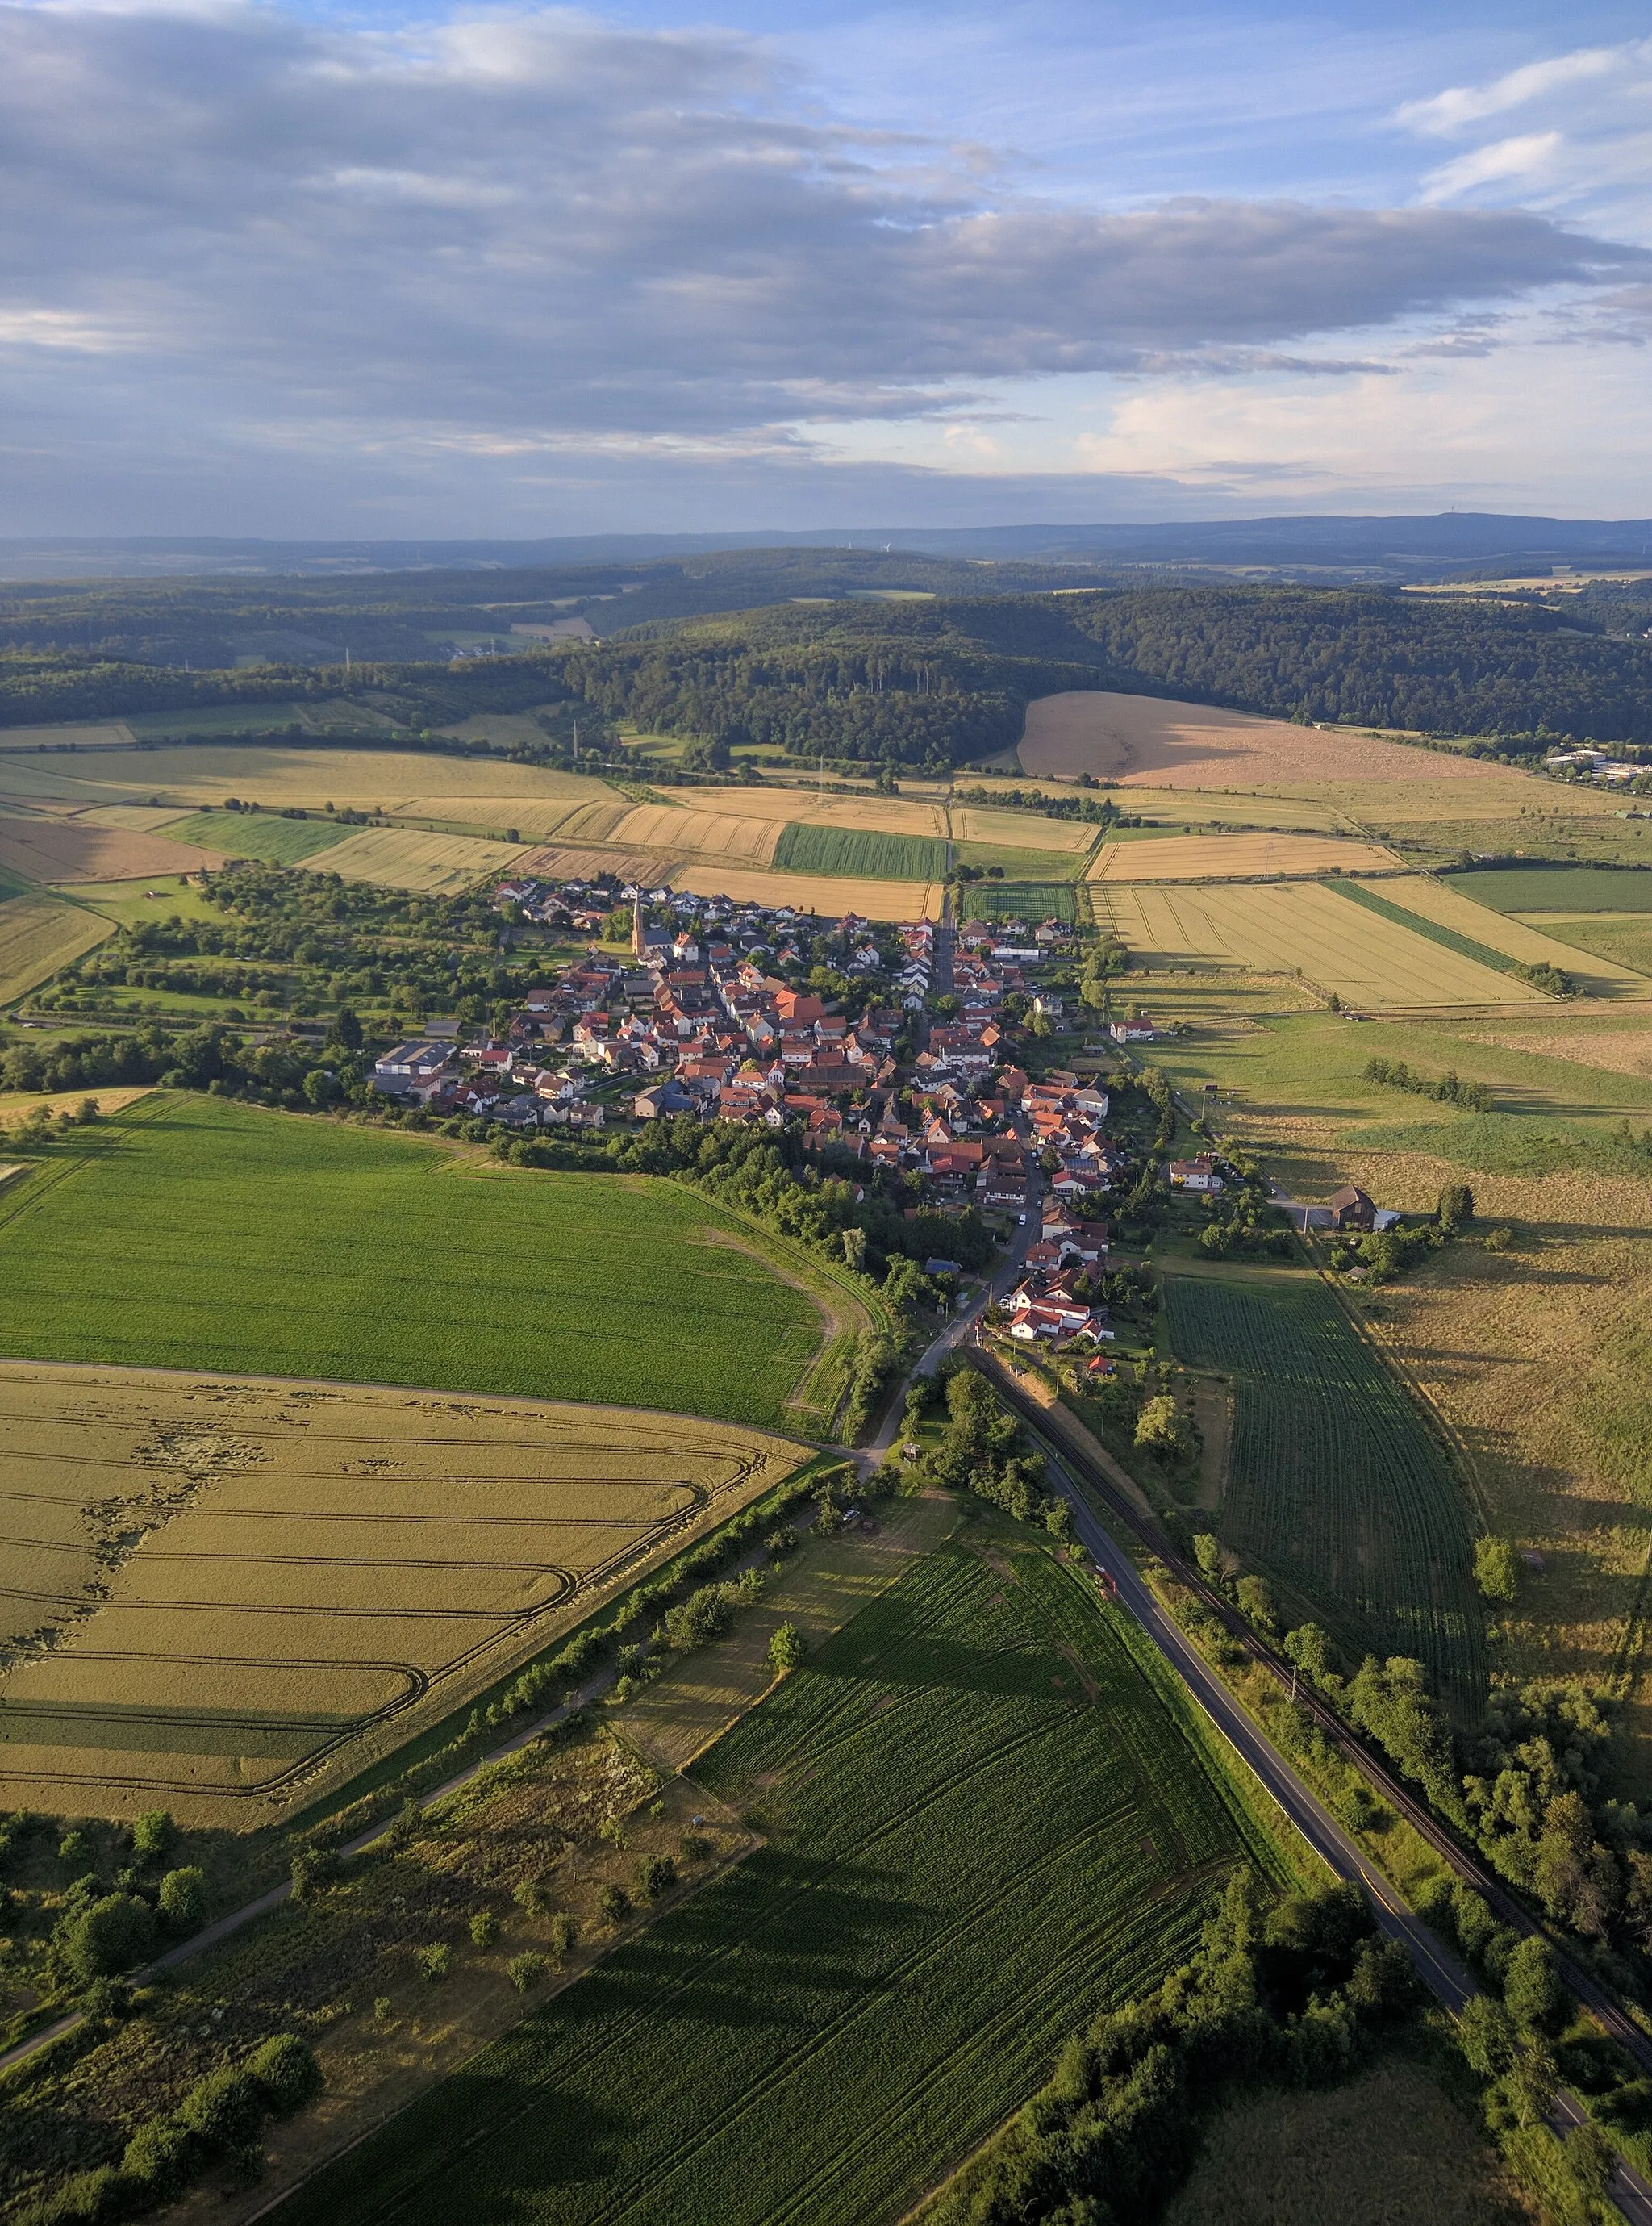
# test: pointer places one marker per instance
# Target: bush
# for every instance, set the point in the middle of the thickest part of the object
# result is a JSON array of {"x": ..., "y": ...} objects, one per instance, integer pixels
[
  {"x": 316, "y": 1871},
  {"x": 527, "y": 1970},
  {"x": 655, "y": 1874},
  {"x": 696, "y": 1847},
  {"x": 286, "y": 2073},
  {"x": 564, "y": 1933},
  {"x": 183, "y": 1898},
  {"x": 435, "y": 1961},
  {"x": 1496, "y": 1569},
  {"x": 223, "y": 2110},
  {"x": 162, "y": 2154},
  {"x": 154, "y": 1835},
  {"x": 615, "y": 1905},
  {"x": 110, "y": 1935},
  {"x": 484, "y": 1929},
  {"x": 705, "y": 1615}
]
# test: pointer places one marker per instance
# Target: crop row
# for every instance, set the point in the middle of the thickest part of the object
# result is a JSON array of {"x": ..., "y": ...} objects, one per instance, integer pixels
[
  {"x": 977, "y": 1833},
  {"x": 1335, "y": 1485}
]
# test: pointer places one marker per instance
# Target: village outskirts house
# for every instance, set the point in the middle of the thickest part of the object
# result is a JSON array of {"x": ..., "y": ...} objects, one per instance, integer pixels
[{"x": 412, "y": 1070}]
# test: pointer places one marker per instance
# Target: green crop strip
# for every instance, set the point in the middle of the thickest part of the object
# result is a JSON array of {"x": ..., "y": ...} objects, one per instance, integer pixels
[
  {"x": 861, "y": 851},
  {"x": 1447, "y": 937},
  {"x": 265, "y": 834}
]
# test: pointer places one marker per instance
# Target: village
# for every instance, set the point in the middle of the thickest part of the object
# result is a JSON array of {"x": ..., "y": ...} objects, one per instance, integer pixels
[{"x": 917, "y": 1058}]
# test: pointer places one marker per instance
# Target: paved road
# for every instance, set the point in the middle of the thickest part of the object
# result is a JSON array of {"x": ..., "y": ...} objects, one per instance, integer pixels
[{"x": 1445, "y": 1976}]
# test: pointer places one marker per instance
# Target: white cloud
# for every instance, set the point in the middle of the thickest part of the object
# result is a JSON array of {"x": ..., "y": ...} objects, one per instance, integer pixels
[{"x": 1448, "y": 112}]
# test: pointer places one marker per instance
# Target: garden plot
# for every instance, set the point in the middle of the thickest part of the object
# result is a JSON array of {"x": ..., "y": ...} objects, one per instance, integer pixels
[{"x": 217, "y": 1589}]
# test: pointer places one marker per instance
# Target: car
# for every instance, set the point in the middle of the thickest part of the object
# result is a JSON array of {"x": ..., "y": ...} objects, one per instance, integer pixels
[{"x": 1021, "y": 1222}]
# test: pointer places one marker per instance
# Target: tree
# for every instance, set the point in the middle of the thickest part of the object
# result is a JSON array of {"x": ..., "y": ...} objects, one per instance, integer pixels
[
  {"x": 1160, "y": 1427},
  {"x": 183, "y": 1898},
  {"x": 1496, "y": 1568},
  {"x": 1456, "y": 1208},
  {"x": 1207, "y": 1553},
  {"x": 786, "y": 1649},
  {"x": 655, "y": 1874},
  {"x": 527, "y": 1970},
  {"x": 564, "y": 1933},
  {"x": 615, "y": 1905},
  {"x": 110, "y": 1935},
  {"x": 347, "y": 1029},
  {"x": 154, "y": 1835},
  {"x": 705, "y": 1615},
  {"x": 484, "y": 1929},
  {"x": 1257, "y": 1605},
  {"x": 286, "y": 2073},
  {"x": 1532, "y": 1994},
  {"x": 1486, "y": 2035},
  {"x": 1060, "y": 1521},
  {"x": 223, "y": 2110}
]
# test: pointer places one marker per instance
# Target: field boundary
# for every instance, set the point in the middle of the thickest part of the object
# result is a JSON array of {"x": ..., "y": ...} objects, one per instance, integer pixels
[{"x": 1447, "y": 937}]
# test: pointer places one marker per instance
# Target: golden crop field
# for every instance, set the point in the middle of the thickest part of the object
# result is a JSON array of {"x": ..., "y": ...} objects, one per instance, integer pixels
[
  {"x": 730, "y": 835},
  {"x": 1232, "y": 857},
  {"x": 366, "y": 779},
  {"x": 38, "y": 934},
  {"x": 1279, "y": 927},
  {"x": 831, "y": 895},
  {"x": 219, "y": 1592},
  {"x": 555, "y": 861},
  {"x": 535, "y": 818},
  {"x": 55, "y": 849},
  {"x": 1021, "y": 830},
  {"x": 805, "y": 807},
  {"x": 405, "y": 858},
  {"x": 1598, "y": 977}
]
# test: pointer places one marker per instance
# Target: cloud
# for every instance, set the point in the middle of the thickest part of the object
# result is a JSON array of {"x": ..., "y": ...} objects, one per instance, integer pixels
[
  {"x": 1448, "y": 112},
  {"x": 537, "y": 229}
]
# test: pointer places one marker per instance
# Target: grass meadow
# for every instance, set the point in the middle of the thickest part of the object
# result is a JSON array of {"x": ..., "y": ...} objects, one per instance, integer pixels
[
  {"x": 1556, "y": 889},
  {"x": 983, "y": 1820},
  {"x": 196, "y": 1233},
  {"x": 39, "y": 934},
  {"x": 1335, "y": 1488},
  {"x": 1029, "y": 901},
  {"x": 278, "y": 842}
]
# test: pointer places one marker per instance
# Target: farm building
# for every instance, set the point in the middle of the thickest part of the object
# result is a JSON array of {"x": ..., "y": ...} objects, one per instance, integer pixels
[{"x": 1351, "y": 1209}]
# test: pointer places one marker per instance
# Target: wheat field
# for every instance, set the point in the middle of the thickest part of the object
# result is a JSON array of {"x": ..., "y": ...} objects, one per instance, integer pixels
[
  {"x": 219, "y": 1591},
  {"x": 1432, "y": 899},
  {"x": 1237, "y": 857},
  {"x": 405, "y": 858},
  {"x": 831, "y": 895},
  {"x": 743, "y": 839}
]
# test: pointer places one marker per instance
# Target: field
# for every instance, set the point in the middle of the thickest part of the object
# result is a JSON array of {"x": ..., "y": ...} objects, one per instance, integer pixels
[
  {"x": 38, "y": 934},
  {"x": 808, "y": 807},
  {"x": 1386, "y": 2145},
  {"x": 135, "y": 818},
  {"x": 1028, "y": 901},
  {"x": 219, "y": 1589},
  {"x": 434, "y": 865},
  {"x": 69, "y": 850},
  {"x": 1132, "y": 739},
  {"x": 258, "y": 835},
  {"x": 1335, "y": 1488},
  {"x": 1022, "y": 830},
  {"x": 260, "y": 718},
  {"x": 1445, "y": 908},
  {"x": 1525, "y": 889},
  {"x": 822, "y": 894},
  {"x": 129, "y": 902},
  {"x": 864, "y": 853},
  {"x": 288, "y": 1246},
  {"x": 748, "y": 842},
  {"x": 983, "y": 1821},
  {"x": 1367, "y": 959},
  {"x": 1236, "y": 856},
  {"x": 1622, "y": 940},
  {"x": 278, "y": 773}
]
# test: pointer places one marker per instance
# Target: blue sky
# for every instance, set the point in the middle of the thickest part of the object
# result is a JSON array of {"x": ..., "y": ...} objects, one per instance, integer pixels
[{"x": 289, "y": 269}]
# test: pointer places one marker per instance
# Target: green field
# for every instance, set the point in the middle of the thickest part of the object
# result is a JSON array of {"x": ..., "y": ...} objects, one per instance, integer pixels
[
  {"x": 861, "y": 851},
  {"x": 263, "y": 834},
  {"x": 1028, "y": 901},
  {"x": 983, "y": 1821},
  {"x": 196, "y": 1233},
  {"x": 1024, "y": 865},
  {"x": 1447, "y": 937},
  {"x": 1335, "y": 1487},
  {"x": 1559, "y": 888}
]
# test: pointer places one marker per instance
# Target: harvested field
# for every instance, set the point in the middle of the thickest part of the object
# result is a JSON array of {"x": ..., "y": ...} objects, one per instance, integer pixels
[
  {"x": 1335, "y": 1487},
  {"x": 263, "y": 834},
  {"x": 1021, "y": 830},
  {"x": 132, "y": 818},
  {"x": 988, "y": 1817},
  {"x": 1612, "y": 1050},
  {"x": 534, "y": 817},
  {"x": 15, "y": 1105},
  {"x": 746, "y": 840},
  {"x": 551, "y": 861},
  {"x": 277, "y": 774},
  {"x": 104, "y": 734},
  {"x": 595, "y": 819},
  {"x": 805, "y": 807},
  {"x": 1148, "y": 740},
  {"x": 219, "y": 1591},
  {"x": 38, "y": 934},
  {"x": 270, "y": 1243},
  {"x": 1368, "y": 960},
  {"x": 861, "y": 851},
  {"x": 1448, "y": 908},
  {"x": 403, "y": 858},
  {"x": 1237, "y": 857},
  {"x": 71, "y": 851},
  {"x": 827, "y": 894}
]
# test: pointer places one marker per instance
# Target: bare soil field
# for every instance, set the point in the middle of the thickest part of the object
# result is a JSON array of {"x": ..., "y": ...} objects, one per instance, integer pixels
[
  {"x": 831, "y": 895},
  {"x": 404, "y": 858},
  {"x": 1131, "y": 739},
  {"x": 71, "y": 850},
  {"x": 220, "y": 1592},
  {"x": 1238, "y": 857}
]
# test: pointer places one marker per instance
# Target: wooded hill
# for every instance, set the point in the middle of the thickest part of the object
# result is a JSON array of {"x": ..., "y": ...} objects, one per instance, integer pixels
[{"x": 942, "y": 680}]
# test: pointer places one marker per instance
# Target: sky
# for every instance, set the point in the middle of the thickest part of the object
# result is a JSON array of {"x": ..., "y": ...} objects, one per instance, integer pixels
[{"x": 297, "y": 268}]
